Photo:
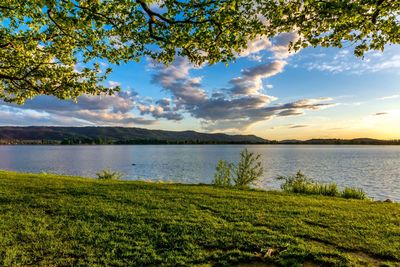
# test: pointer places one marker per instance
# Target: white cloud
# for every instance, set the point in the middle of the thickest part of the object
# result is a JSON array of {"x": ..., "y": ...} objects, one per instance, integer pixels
[
  {"x": 255, "y": 46},
  {"x": 113, "y": 84},
  {"x": 278, "y": 46},
  {"x": 236, "y": 107},
  {"x": 89, "y": 110},
  {"x": 345, "y": 62},
  {"x": 250, "y": 82},
  {"x": 389, "y": 97}
]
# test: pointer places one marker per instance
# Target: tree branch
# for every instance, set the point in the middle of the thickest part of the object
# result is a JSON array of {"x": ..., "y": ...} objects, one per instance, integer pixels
[{"x": 153, "y": 14}]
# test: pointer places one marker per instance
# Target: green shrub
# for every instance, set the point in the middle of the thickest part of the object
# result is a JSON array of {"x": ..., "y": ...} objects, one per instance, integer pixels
[
  {"x": 243, "y": 174},
  {"x": 222, "y": 174},
  {"x": 109, "y": 175},
  {"x": 248, "y": 170},
  {"x": 352, "y": 192},
  {"x": 299, "y": 183},
  {"x": 327, "y": 189}
]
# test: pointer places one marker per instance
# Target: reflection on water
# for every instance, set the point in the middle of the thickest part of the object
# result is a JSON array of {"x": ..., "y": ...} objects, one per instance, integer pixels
[{"x": 376, "y": 169}]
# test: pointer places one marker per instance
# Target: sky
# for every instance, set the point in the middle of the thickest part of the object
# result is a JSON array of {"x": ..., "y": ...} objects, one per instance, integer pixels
[{"x": 268, "y": 91}]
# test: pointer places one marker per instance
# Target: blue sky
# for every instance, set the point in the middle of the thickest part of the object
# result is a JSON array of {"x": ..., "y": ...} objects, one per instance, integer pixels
[{"x": 314, "y": 93}]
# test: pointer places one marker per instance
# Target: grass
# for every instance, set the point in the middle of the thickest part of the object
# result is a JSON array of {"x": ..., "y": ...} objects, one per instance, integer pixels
[
  {"x": 351, "y": 192},
  {"x": 49, "y": 220}
]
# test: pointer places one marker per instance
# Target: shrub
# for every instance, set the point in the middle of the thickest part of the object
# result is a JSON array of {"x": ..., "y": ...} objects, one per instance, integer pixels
[
  {"x": 327, "y": 189},
  {"x": 109, "y": 175},
  {"x": 245, "y": 173},
  {"x": 222, "y": 174},
  {"x": 299, "y": 183},
  {"x": 248, "y": 170},
  {"x": 352, "y": 192},
  {"x": 296, "y": 183}
]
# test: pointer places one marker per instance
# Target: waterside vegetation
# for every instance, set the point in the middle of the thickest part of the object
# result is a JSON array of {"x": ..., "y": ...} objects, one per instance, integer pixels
[
  {"x": 301, "y": 184},
  {"x": 249, "y": 170},
  {"x": 243, "y": 174},
  {"x": 108, "y": 174}
]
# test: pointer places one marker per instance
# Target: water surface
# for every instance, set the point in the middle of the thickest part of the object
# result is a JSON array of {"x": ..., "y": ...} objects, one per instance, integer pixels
[{"x": 376, "y": 169}]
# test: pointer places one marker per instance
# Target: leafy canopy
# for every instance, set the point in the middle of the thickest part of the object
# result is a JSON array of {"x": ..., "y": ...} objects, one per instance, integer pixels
[{"x": 51, "y": 46}]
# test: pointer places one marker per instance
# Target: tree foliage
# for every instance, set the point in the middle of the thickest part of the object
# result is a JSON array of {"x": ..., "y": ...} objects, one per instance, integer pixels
[{"x": 51, "y": 46}]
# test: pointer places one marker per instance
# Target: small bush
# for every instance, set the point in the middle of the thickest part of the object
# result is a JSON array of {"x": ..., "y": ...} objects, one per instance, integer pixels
[
  {"x": 327, "y": 189},
  {"x": 222, "y": 175},
  {"x": 248, "y": 170},
  {"x": 109, "y": 175},
  {"x": 245, "y": 173},
  {"x": 352, "y": 192},
  {"x": 299, "y": 183}
]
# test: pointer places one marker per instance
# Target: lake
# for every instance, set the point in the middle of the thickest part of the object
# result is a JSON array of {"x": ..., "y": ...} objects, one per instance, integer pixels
[{"x": 376, "y": 169}]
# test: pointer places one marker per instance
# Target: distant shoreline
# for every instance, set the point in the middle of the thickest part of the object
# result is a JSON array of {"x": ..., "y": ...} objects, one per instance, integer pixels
[
  {"x": 53, "y": 135},
  {"x": 198, "y": 144}
]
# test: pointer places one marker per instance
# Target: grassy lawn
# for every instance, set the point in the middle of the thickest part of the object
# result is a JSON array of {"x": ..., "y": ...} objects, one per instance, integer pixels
[{"x": 49, "y": 220}]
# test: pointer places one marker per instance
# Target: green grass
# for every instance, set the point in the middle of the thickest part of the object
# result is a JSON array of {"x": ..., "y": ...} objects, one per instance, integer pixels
[
  {"x": 49, "y": 220},
  {"x": 351, "y": 192}
]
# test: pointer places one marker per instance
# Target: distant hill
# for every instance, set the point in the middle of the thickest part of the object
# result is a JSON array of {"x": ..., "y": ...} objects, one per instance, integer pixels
[
  {"x": 356, "y": 141},
  {"x": 116, "y": 135},
  {"x": 125, "y": 135}
]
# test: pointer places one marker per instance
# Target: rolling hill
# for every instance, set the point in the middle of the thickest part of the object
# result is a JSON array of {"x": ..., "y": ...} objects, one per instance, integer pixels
[{"x": 116, "y": 135}]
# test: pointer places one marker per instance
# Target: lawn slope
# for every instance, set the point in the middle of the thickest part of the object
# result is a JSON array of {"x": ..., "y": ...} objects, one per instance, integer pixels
[{"x": 49, "y": 220}]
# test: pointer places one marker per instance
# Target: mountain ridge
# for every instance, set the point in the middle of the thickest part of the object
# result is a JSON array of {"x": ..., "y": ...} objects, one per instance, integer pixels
[
  {"x": 133, "y": 135},
  {"x": 116, "y": 135}
]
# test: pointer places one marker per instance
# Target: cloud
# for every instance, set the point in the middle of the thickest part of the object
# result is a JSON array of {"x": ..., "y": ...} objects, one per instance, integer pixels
[
  {"x": 243, "y": 102},
  {"x": 160, "y": 112},
  {"x": 298, "y": 126},
  {"x": 288, "y": 126},
  {"x": 113, "y": 84},
  {"x": 290, "y": 112},
  {"x": 255, "y": 46},
  {"x": 175, "y": 79},
  {"x": 251, "y": 80},
  {"x": 381, "y": 113},
  {"x": 345, "y": 62},
  {"x": 122, "y": 101},
  {"x": 104, "y": 117},
  {"x": 235, "y": 107},
  {"x": 25, "y": 117},
  {"x": 244, "y": 116},
  {"x": 388, "y": 97},
  {"x": 278, "y": 46},
  {"x": 88, "y": 110}
]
